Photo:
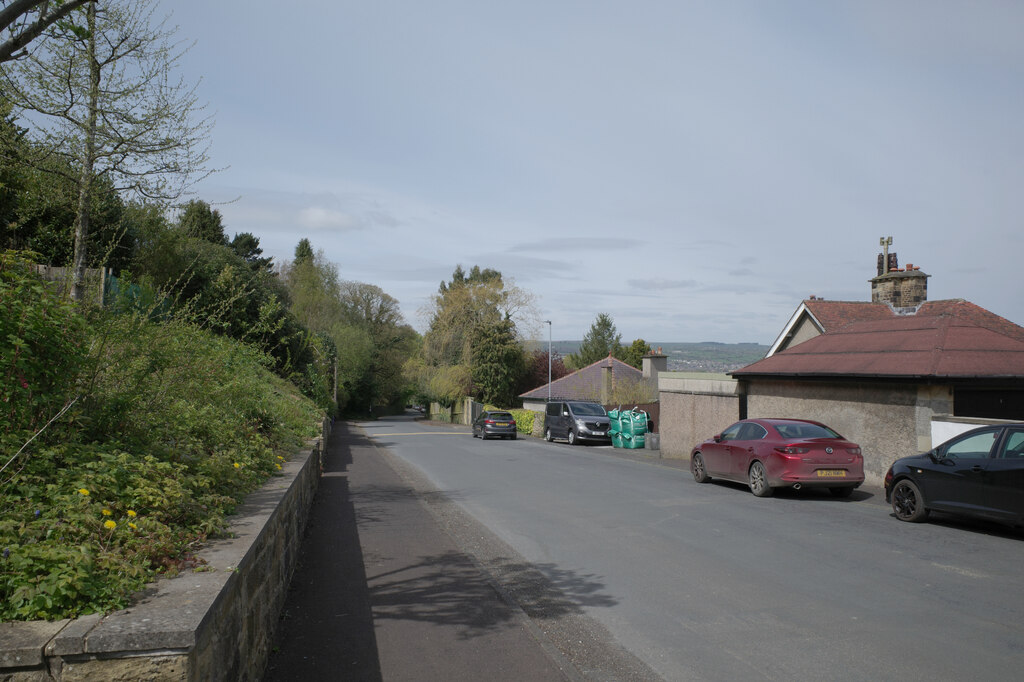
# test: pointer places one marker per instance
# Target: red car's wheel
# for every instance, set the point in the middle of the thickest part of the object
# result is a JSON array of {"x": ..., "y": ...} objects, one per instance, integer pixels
[
  {"x": 700, "y": 472},
  {"x": 758, "y": 480}
]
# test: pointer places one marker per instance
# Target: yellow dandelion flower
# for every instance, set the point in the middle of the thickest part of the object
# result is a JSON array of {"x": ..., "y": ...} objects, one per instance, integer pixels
[
  {"x": 107, "y": 512},
  {"x": 109, "y": 524},
  {"x": 132, "y": 526},
  {"x": 132, "y": 513},
  {"x": 280, "y": 458},
  {"x": 279, "y": 467},
  {"x": 237, "y": 465},
  {"x": 83, "y": 491}
]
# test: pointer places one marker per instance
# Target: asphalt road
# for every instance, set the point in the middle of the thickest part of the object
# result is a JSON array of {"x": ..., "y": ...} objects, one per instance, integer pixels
[{"x": 707, "y": 582}]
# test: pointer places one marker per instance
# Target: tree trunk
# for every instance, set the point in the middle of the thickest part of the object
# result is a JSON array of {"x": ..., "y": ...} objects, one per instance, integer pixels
[{"x": 88, "y": 162}]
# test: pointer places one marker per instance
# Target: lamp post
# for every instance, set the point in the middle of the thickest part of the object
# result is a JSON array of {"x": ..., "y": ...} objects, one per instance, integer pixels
[{"x": 548, "y": 322}]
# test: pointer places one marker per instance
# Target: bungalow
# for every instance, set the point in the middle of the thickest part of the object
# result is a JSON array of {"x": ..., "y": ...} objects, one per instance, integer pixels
[
  {"x": 593, "y": 383},
  {"x": 882, "y": 373}
]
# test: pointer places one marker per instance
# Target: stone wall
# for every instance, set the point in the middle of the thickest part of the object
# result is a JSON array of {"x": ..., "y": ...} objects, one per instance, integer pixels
[
  {"x": 888, "y": 420},
  {"x": 213, "y": 623},
  {"x": 693, "y": 408}
]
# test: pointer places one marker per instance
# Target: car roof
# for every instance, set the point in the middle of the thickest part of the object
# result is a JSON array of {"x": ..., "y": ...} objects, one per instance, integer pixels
[{"x": 773, "y": 421}]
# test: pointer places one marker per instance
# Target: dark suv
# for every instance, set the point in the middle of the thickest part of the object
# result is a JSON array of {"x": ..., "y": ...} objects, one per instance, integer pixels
[{"x": 575, "y": 421}]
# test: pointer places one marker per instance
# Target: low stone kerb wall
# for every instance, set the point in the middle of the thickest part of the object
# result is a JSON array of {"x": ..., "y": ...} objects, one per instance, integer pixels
[{"x": 213, "y": 623}]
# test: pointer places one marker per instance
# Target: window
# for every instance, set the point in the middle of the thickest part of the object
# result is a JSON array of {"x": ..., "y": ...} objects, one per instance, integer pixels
[
  {"x": 1014, "y": 446},
  {"x": 732, "y": 433},
  {"x": 588, "y": 410},
  {"x": 752, "y": 432},
  {"x": 794, "y": 430},
  {"x": 975, "y": 446}
]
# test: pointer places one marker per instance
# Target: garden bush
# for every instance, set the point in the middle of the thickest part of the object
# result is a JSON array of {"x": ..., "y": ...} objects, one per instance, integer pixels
[
  {"x": 164, "y": 428},
  {"x": 524, "y": 420}
]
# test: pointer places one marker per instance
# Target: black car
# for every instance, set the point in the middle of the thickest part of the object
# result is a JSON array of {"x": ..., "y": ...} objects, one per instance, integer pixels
[
  {"x": 978, "y": 473},
  {"x": 495, "y": 423}
]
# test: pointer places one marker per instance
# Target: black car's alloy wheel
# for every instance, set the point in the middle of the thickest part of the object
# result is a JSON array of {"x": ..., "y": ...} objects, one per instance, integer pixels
[
  {"x": 907, "y": 502},
  {"x": 700, "y": 473},
  {"x": 572, "y": 437},
  {"x": 758, "y": 479},
  {"x": 547, "y": 435}
]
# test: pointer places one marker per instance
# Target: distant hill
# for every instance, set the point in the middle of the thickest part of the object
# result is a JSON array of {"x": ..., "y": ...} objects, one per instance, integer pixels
[
  {"x": 710, "y": 356},
  {"x": 705, "y": 356}
]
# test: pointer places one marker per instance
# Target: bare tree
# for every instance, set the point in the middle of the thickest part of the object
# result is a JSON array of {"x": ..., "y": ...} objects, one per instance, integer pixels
[
  {"x": 25, "y": 20},
  {"x": 104, "y": 98}
]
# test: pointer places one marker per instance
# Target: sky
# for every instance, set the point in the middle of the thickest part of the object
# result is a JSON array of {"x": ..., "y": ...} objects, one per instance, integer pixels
[{"x": 692, "y": 169}]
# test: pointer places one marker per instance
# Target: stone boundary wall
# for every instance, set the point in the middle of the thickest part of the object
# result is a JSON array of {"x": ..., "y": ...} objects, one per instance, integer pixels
[
  {"x": 693, "y": 408},
  {"x": 213, "y": 623}
]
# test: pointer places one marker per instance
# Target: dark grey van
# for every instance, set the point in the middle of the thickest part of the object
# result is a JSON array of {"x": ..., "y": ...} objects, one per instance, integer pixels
[{"x": 575, "y": 421}]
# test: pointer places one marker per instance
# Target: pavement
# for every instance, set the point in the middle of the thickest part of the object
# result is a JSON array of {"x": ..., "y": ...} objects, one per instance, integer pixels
[{"x": 383, "y": 591}]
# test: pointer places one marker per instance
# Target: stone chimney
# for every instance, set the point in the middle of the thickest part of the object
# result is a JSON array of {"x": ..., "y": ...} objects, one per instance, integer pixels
[
  {"x": 653, "y": 363},
  {"x": 903, "y": 289}
]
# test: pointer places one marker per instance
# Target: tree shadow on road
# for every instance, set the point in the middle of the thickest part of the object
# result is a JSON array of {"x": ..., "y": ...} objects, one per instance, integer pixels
[{"x": 451, "y": 589}]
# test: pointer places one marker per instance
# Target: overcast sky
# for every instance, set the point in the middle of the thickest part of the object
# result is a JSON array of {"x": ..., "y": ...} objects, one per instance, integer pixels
[{"x": 693, "y": 169}]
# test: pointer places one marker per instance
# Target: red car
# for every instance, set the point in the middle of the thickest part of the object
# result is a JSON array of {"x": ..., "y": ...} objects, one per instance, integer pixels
[{"x": 780, "y": 453}]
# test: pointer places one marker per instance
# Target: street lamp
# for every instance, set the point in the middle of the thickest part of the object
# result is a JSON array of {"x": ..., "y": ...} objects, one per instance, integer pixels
[{"x": 548, "y": 322}]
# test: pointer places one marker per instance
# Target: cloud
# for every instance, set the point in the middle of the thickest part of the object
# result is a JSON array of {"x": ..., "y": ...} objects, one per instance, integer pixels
[
  {"x": 661, "y": 284},
  {"x": 574, "y": 244},
  {"x": 316, "y": 218}
]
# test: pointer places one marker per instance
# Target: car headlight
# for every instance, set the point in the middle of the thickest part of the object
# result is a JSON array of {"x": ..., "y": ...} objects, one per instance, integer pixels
[{"x": 581, "y": 424}]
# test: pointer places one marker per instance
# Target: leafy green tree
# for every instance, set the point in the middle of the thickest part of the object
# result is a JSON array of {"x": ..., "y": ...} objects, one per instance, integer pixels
[
  {"x": 467, "y": 310},
  {"x": 199, "y": 221},
  {"x": 366, "y": 325},
  {"x": 247, "y": 245},
  {"x": 11, "y": 182},
  {"x": 314, "y": 288},
  {"x": 38, "y": 203},
  {"x": 109, "y": 105},
  {"x": 498, "y": 364},
  {"x": 466, "y": 302},
  {"x": 303, "y": 252},
  {"x": 634, "y": 353},
  {"x": 601, "y": 341},
  {"x": 382, "y": 384}
]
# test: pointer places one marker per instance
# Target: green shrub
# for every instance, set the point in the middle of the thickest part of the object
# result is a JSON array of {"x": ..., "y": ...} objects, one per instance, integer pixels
[
  {"x": 172, "y": 425},
  {"x": 42, "y": 343},
  {"x": 524, "y": 420}
]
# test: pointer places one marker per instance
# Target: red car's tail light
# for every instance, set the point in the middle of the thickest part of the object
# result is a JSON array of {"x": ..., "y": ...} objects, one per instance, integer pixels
[
  {"x": 853, "y": 451},
  {"x": 791, "y": 450}
]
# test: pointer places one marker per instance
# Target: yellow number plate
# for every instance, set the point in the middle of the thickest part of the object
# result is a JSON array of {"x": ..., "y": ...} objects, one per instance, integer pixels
[
  {"x": 501, "y": 423},
  {"x": 831, "y": 473}
]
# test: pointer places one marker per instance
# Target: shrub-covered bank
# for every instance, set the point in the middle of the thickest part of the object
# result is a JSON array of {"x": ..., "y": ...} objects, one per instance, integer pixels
[{"x": 125, "y": 442}]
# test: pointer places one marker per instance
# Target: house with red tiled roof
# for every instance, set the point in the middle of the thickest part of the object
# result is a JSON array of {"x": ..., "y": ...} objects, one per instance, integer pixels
[{"x": 891, "y": 374}]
